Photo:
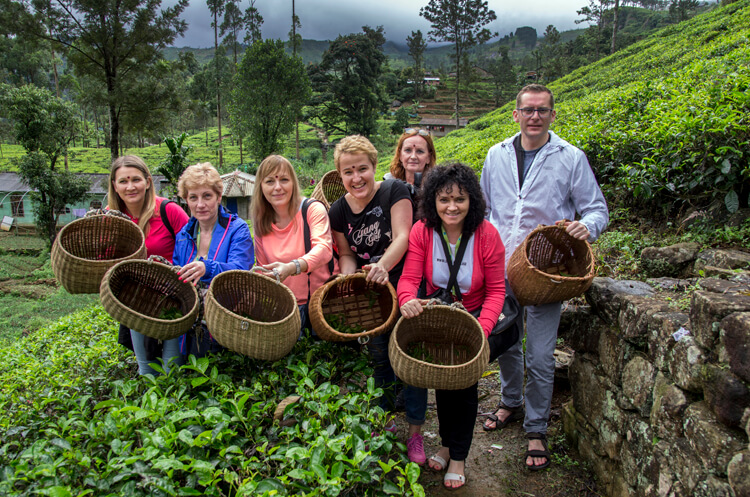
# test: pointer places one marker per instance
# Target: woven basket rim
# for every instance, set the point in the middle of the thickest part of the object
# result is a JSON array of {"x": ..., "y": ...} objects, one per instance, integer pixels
[
  {"x": 61, "y": 247},
  {"x": 533, "y": 268},
  {"x": 353, "y": 336},
  {"x": 210, "y": 293}
]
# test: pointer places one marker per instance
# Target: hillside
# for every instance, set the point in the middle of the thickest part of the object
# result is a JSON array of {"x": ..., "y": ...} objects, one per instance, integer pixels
[{"x": 662, "y": 121}]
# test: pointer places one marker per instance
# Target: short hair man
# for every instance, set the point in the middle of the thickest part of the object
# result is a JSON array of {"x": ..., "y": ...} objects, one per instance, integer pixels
[{"x": 533, "y": 178}]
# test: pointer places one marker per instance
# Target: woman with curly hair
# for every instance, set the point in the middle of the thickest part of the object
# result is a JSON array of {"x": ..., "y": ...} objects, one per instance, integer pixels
[{"x": 452, "y": 226}]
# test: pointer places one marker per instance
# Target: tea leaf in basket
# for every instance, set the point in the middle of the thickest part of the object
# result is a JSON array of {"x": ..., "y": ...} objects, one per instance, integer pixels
[
  {"x": 338, "y": 323},
  {"x": 171, "y": 314}
]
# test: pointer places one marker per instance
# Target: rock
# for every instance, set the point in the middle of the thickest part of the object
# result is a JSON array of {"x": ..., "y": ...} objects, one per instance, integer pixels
[
  {"x": 707, "y": 309},
  {"x": 604, "y": 296},
  {"x": 718, "y": 285},
  {"x": 669, "y": 404},
  {"x": 673, "y": 284},
  {"x": 613, "y": 354},
  {"x": 735, "y": 329},
  {"x": 738, "y": 472},
  {"x": 738, "y": 218},
  {"x": 686, "y": 465},
  {"x": 635, "y": 317},
  {"x": 638, "y": 384},
  {"x": 661, "y": 328},
  {"x": 722, "y": 258},
  {"x": 713, "y": 487},
  {"x": 580, "y": 328},
  {"x": 713, "y": 443},
  {"x": 727, "y": 274},
  {"x": 637, "y": 451},
  {"x": 674, "y": 260},
  {"x": 726, "y": 394},
  {"x": 589, "y": 392},
  {"x": 684, "y": 364}
]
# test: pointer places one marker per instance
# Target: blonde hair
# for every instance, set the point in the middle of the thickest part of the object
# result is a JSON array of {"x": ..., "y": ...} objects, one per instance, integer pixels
[
  {"x": 261, "y": 210},
  {"x": 149, "y": 200},
  {"x": 397, "y": 168},
  {"x": 199, "y": 175},
  {"x": 354, "y": 144}
]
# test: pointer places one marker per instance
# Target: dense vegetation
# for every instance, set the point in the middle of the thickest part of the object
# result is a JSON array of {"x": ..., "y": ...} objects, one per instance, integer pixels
[
  {"x": 76, "y": 422},
  {"x": 663, "y": 122}
]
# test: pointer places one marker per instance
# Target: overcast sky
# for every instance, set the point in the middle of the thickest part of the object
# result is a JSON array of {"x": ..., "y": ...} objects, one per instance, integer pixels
[{"x": 326, "y": 19}]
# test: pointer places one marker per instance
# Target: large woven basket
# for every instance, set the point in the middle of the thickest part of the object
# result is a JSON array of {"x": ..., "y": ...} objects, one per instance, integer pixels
[
  {"x": 451, "y": 337},
  {"x": 550, "y": 266},
  {"x": 252, "y": 314},
  {"x": 137, "y": 292},
  {"x": 352, "y": 301},
  {"x": 86, "y": 248},
  {"x": 329, "y": 189}
]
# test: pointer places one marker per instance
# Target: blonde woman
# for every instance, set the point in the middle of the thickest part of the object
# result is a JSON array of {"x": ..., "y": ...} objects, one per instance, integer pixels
[
  {"x": 131, "y": 191},
  {"x": 281, "y": 219}
]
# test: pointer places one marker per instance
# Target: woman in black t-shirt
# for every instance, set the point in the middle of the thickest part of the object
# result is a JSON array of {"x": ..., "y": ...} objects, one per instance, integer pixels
[{"x": 370, "y": 226}]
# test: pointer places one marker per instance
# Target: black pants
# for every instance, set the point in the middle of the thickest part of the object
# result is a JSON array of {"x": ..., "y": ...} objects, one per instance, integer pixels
[{"x": 457, "y": 413}]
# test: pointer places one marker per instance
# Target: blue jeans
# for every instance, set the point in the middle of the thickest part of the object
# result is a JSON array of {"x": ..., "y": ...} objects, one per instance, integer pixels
[
  {"x": 384, "y": 376},
  {"x": 415, "y": 399},
  {"x": 170, "y": 354}
]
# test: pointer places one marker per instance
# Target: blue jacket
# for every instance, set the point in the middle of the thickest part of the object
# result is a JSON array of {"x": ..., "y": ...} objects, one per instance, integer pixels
[{"x": 231, "y": 245}]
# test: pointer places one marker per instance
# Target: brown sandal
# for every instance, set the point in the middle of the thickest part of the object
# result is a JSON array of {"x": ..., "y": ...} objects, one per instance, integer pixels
[{"x": 516, "y": 414}]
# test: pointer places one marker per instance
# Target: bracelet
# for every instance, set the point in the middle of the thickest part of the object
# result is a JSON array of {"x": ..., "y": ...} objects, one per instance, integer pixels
[{"x": 297, "y": 266}]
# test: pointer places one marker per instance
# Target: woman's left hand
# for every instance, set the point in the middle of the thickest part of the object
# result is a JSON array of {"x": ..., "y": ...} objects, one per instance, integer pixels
[
  {"x": 192, "y": 273},
  {"x": 285, "y": 269},
  {"x": 376, "y": 273}
]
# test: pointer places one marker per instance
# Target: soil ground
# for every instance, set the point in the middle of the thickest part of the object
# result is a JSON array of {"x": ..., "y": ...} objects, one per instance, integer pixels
[{"x": 499, "y": 472}]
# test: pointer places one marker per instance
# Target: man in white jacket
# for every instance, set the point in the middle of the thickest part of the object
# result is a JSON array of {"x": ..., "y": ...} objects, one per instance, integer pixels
[{"x": 533, "y": 178}]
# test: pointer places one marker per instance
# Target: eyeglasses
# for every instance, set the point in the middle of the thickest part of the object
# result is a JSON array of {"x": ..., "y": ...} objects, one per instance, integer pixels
[
  {"x": 416, "y": 131},
  {"x": 529, "y": 112}
]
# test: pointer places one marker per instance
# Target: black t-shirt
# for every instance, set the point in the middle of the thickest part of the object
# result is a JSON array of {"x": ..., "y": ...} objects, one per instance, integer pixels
[{"x": 369, "y": 233}]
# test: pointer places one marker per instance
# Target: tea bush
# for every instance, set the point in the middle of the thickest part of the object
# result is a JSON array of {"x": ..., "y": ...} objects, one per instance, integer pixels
[{"x": 75, "y": 421}]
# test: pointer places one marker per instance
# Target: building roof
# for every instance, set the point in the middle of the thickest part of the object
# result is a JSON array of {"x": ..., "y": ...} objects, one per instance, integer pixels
[
  {"x": 11, "y": 182},
  {"x": 442, "y": 121},
  {"x": 238, "y": 184}
]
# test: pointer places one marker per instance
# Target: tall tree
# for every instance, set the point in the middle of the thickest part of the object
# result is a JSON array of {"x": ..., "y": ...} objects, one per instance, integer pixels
[
  {"x": 296, "y": 41},
  {"x": 270, "y": 89},
  {"x": 233, "y": 23},
  {"x": 44, "y": 125},
  {"x": 348, "y": 96},
  {"x": 503, "y": 77},
  {"x": 460, "y": 22},
  {"x": 615, "y": 23},
  {"x": 253, "y": 22},
  {"x": 681, "y": 10},
  {"x": 417, "y": 45},
  {"x": 113, "y": 42},
  {"x": 217, "y": 8}
]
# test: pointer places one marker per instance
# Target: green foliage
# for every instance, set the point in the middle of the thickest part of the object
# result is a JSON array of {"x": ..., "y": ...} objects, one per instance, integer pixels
[
  {"x": 663, "y": 122},
  {"x": 175, "y": 161},
  {"x": 270, "y": 89},
  {"x": 75, "y": 421}
]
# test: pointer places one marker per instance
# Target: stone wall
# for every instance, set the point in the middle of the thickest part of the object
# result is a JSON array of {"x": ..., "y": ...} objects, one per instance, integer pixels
[{"x": 656, "y": 413}]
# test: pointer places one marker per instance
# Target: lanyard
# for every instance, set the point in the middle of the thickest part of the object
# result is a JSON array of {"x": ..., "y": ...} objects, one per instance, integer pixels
[{"x": 220, "y": 241}]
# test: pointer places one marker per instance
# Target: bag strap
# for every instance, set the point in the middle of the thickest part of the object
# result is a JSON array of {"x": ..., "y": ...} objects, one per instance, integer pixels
[
  {"x": 165, "y": 218},
  {"x": 454, "y": 265},
  {"x": 307, "y": 238}
]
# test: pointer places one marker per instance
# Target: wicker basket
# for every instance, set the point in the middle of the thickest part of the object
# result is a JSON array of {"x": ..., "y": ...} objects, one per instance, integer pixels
[
  {"x": 329, "y": 189},
  {"x": 352, "y": 301},
  {"x": 86, "y": 248},
  {"x": 252, "y": 314},
  {"x": 137, "y": 292},
  {"x": 449, "y": 336},
  {"x": 550, "y": 266}
]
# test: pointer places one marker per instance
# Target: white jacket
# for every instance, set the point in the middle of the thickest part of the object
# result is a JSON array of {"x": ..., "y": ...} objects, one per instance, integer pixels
[{"x": 559, "y": 184}]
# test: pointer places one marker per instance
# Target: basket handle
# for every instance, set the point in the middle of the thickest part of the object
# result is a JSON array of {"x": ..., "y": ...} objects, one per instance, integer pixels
[
  {"x": 262, "y": 271},
  {"x": 561, "y": 223},
  {"x": 158, "y": 258}
]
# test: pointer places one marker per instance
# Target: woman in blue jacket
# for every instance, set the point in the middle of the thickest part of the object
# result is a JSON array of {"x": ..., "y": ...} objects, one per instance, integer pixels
[{"x": 213, "y": 240}]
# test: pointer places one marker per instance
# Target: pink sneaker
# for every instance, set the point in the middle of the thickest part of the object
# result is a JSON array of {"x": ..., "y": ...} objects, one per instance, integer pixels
[{"x": 415, "y": 449}]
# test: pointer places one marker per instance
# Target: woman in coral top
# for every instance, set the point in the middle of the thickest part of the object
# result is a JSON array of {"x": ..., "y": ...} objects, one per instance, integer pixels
[
  {"x": 131, "y": 191},
  {"x": 452, "y": 215},
  {"x": 279, "y": 227}
]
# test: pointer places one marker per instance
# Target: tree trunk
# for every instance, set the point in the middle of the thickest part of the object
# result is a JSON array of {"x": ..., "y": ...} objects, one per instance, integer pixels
[
  {"x": 614, "y": 27},
  {"x": 114, "y": 132},
  {"x": 458, "y": 83},
  {"x": 218, "y": 86}
]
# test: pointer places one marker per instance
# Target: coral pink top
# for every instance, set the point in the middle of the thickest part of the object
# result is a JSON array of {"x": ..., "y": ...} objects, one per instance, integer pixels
[
  {"x": 287, "y": 244},
  {"x": 159, "y": 241},
  {"x": 488, "y": 278}
]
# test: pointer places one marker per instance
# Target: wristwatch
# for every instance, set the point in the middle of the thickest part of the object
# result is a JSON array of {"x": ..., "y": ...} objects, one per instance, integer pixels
[{"x": 298, "y": 266}]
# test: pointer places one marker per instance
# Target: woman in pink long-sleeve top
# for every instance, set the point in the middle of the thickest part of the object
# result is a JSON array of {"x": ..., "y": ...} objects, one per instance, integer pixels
[
  {"x": 279, "y": 226},
  {"x": 452, "y": 216}
]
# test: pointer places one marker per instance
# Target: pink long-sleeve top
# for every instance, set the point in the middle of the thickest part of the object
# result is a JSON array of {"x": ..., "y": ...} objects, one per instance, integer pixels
[
  {"x": 488, "y": 277},
  {"x": 287, "y": 244},
  {"x": 159, "y": 240}
]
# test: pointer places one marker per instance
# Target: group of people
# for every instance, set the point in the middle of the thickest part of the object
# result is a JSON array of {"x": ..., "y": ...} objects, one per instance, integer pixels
[{"x": 423, "y": 228}]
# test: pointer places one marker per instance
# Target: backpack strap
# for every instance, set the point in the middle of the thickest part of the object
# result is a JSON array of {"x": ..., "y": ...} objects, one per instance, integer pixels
[
  {"x": 454, "y": 266},
  {"x": 165, "y": 218},
  {"x": 307, "y": 238}
]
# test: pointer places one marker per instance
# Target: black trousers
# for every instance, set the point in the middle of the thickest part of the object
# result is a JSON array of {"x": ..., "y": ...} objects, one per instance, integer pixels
[{"x": 457, "y": 413}]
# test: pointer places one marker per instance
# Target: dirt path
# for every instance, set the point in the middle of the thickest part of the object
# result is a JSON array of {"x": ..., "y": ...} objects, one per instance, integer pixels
[{"x": 499, "y": 472}]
